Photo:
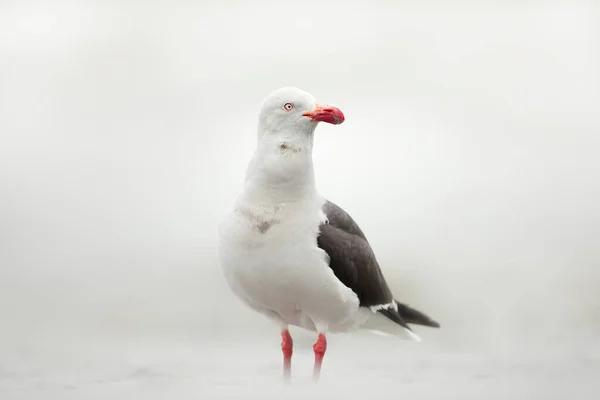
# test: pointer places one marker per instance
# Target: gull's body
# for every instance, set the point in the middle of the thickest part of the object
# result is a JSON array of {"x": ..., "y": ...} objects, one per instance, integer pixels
[
  {"x": 290, "y": 254},
  {"x": 271, "y": 258}
]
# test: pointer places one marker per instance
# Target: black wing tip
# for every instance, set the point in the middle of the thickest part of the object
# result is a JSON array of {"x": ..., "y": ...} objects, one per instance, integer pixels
[
  {"x": 395, "y": 316},
  {"x": 412, "y": 316},
  {"x": 431, "y": 323}
]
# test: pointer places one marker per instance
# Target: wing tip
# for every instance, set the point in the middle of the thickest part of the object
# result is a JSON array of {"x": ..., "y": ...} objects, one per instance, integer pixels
[{"x": 416, "y": 317}]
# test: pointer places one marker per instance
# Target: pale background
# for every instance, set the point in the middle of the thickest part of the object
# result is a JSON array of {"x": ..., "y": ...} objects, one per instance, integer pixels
[{"x": 469, "y": 156}]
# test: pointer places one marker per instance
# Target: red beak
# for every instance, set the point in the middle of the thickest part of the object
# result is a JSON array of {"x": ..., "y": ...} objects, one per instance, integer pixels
[{"x": 331, "y": 115}]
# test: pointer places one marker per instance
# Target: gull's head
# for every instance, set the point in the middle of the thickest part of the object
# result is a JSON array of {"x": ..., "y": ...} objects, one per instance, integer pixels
[{"x": 290, "y": 109}]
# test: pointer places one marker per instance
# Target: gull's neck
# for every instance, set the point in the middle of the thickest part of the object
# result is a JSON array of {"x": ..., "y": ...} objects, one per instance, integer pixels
[{"x": 281, "y": 169}]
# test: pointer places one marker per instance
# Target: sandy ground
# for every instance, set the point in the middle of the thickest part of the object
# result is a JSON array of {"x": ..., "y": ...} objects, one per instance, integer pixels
[{"x": 356, "y": 366}]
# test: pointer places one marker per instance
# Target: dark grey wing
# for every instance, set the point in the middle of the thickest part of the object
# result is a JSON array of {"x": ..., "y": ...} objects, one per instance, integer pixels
[
  {"x": 351, "y": 257},
  {"x": 353, "y": 262}
]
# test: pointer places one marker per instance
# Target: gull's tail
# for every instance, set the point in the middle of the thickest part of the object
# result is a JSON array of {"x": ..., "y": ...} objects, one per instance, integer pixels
[{"x": 391, "y": 321}]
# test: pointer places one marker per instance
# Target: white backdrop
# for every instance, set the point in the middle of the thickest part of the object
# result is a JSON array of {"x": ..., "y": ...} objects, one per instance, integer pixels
[{"x": 469, "y": 156}]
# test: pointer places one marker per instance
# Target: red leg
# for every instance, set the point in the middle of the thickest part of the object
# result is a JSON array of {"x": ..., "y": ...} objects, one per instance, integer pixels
[
  {"x": 319, "y": 347},
  {"x": 286, "y": 347}
]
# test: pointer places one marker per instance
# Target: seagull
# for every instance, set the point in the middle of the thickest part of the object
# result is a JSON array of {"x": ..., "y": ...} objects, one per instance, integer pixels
[{"x": 292, "y": 255}]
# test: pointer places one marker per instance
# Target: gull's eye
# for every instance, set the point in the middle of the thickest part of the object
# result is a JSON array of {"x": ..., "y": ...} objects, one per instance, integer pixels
[{"x": 288, "y": 106}]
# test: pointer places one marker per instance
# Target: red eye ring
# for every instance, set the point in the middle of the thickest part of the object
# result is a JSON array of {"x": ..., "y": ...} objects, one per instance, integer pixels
[{"x": 288, "y": 106}]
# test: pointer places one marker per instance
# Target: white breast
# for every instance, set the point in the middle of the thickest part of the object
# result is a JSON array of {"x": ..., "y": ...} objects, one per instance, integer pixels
[
  {"x": 268, "y": 244},
  {"x": 271, "y": 261}
]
